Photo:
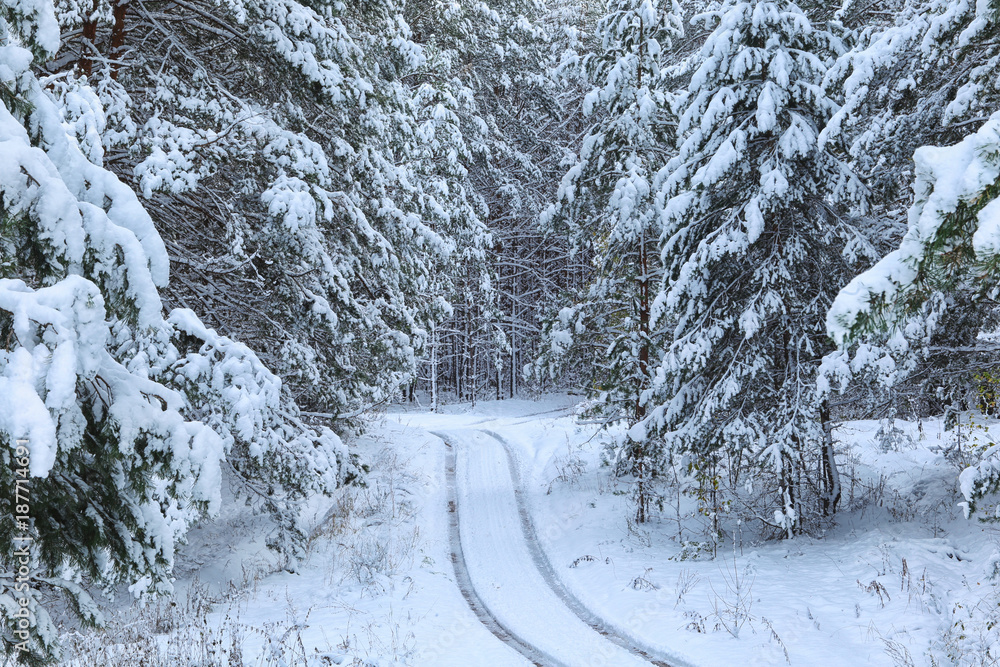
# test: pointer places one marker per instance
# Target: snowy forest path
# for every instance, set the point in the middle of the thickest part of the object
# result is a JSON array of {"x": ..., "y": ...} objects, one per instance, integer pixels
[{"x": 503, "y": 572}]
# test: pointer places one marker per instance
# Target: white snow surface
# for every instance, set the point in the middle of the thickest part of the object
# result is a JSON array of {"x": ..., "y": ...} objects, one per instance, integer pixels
[
  {"x": 895, "y": 573},
  {"x": 501, "y": 566}
]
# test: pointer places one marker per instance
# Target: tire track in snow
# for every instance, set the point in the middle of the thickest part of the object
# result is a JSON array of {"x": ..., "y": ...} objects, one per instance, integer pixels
[
  {"x": 465, "y": 581},
  {"x": 552, "y": 579},
  {"x": 503, "y": 573}
]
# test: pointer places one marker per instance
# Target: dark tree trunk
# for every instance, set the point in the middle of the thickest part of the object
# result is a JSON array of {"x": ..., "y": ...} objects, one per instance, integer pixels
[
  {"x": 85, "y": 63},
  {"x": 118, "y": 36},
  {"x": 829, "y": 475},
  {"x": 641, "y": 463}
]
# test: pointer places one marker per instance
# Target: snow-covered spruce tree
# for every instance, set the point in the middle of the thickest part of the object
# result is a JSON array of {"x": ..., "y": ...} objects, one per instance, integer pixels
[
  {"x": 924, "y": 77},
  {"x": 128, "y": 416},
  {"x": 953, "y": 241},
  {"x": 113, "y": 473},
  {"x": 755, "y": 245},
  {"x": 606, "y": 207}
]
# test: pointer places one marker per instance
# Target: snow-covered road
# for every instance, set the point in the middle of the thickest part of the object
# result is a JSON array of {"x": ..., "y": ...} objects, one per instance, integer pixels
[{"x": 511, "y": 583}]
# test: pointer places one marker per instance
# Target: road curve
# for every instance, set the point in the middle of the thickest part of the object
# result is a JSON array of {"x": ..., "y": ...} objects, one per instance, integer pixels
[
  {"x": 465, "y": 581},
  {"x": 503, "y": 573},
  {"x": 552, "y": 579}
]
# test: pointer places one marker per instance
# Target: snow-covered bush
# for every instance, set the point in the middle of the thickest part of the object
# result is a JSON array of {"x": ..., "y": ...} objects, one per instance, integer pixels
[{"x": 277, "y": 459}]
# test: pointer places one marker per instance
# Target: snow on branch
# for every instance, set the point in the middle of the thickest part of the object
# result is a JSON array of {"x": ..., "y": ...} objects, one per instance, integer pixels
[{"x": 954, "y": 225}]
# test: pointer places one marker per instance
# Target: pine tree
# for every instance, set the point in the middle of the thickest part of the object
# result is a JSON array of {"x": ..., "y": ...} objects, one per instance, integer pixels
[
  {"x": 755, "y": 245},
  {"x": 953, "y": 242},
  {"x": 923, "y": 77},
  {"x": 309, "y": 192},
  {"x": 112, "y": 471},
  {"x": 605, "y": 206},
  {"x": 115, "y": 421}
]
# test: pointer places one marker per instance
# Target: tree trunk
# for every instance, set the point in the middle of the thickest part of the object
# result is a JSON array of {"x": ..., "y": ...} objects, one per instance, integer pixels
[
  {"x": 456, "y": 363},
  {"x": 641, "y": 463},
  {"x": 118, "y": 36},
  {"x": 640, "y": 409},
  {"x": 434, "y": 369},
  {"x": 513, "y": 336},
  {"x": 468, "y": 381},
  {"x": 85, "y": 63},
  {"x": 786, "y": 486},
  {"x": 829, "y": 474}
]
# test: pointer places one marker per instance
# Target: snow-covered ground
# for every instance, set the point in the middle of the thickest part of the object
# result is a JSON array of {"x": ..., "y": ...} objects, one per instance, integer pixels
[{"x": 560, "y": 575}]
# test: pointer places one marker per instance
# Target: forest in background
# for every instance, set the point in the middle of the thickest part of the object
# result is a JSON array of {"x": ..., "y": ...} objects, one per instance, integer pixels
[{"x": 228, "y": 229}]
